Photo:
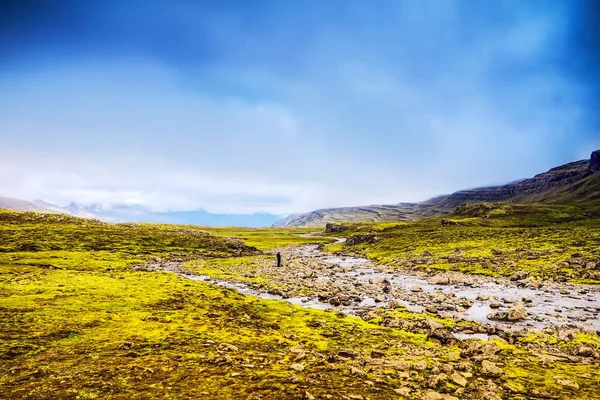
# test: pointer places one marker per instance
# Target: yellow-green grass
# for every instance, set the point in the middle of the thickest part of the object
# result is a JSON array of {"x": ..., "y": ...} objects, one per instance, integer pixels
[
  {"x": 129, "y": 334},
  {"x": 497, "y": 241},
  {"x": 77, "y": 322},
  {"x": 271, "y": 238}
]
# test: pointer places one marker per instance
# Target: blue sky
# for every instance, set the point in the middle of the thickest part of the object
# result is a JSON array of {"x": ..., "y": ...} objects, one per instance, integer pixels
[{"x": 288, "y": 106}]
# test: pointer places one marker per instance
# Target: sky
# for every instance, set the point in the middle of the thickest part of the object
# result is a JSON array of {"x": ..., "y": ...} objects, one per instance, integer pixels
[{"x": 282, "y": 107}]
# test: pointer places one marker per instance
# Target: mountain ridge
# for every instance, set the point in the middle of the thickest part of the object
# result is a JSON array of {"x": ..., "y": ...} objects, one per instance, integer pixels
[
  {"x": 539, "y": 188},
  {"x": 138, "y": 213}
]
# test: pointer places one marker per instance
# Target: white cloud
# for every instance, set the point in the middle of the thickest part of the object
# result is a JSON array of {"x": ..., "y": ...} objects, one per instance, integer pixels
[{"x": 388, "y": 111}]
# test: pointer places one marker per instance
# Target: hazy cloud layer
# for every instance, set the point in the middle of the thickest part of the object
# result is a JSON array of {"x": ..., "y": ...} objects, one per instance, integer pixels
[{"x": 285, "y": 106}]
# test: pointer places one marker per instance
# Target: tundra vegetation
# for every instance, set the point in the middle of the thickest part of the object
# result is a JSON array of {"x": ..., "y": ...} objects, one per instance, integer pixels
[
  {"x": 84, "y": 314},
  {"x": 545, "y": 241}
]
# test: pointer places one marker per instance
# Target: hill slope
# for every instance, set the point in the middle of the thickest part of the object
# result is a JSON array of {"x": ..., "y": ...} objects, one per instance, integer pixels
[
  {"x": 572, "y": 182},
  {"x": 138, "y": 213},
  {"x": 20, "y": 205}
]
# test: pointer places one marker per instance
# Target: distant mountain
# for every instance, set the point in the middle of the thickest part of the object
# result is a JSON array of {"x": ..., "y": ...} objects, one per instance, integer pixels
[
  {"x": 576, "y": 182},
  {"x": 373, "y": 213},
  {"x": 50, "y": 207},
  {"x": 79, "y": 211},
  {"x": 72, "y": 209},
  {"x": 20, "y": 205},
  {"x": 138, "y": 213}
]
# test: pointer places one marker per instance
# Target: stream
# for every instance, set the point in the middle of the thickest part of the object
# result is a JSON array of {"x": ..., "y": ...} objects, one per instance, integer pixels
[{"x": 553, "y": 304}]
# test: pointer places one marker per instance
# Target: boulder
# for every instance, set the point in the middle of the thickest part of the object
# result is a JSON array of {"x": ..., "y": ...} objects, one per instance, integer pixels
[
  {"x": 335, "y": 301},
  {"x": 458, "y": 379},
  {"x": 297, "y": 367},
  {"x": 433, "y": 324},
  {"x": 347, "y": 353},
  {"x": 489, "y": 369},
  {"x": 519, "y": 275},
  {"x": 443, "y": 336},
  {"x": 431, "y": 309},
  {"x": 396, "y": 304},
  {"x": 516, "y": 313},
  {"x": 585, "y": 351},
  {"x": 566, "y": 382},
  {"x": 439, "y": 280},
  {"x": 377, "y": 354}
]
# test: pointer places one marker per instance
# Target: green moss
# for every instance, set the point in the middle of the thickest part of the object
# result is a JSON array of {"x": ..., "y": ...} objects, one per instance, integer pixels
[
  {"x": 77, "y": 322},
  {"x": 493, "y": 241}
]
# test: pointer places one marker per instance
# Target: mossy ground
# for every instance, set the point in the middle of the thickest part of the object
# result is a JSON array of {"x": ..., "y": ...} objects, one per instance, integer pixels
[
  {"x": 495, "y": 240},
  {"x": 77, "y": 322}
]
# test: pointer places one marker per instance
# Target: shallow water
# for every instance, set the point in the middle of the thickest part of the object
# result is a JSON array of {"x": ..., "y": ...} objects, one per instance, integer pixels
[{"x": 548, "y": 307}]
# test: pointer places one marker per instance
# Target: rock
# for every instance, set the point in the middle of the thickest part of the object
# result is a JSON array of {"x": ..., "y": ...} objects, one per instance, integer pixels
[
  {"x": 431, "y": 309},
  {"x": 433, "y": 324},
  {"x": 519, "y": 275},
  {"x": 371, "y": 315},
  {"x": 516, "y": 313},
  {"x": 347, "y": 353},
  {"x": 405, "y": 391},
  {"x": 297, "y": 367},
  {"x": 566, "y": 383},
  {"x": 335, "y": 301},
  {"x": 489, "y": 369},
  {"x": 526, "y": 299},
  {"x": 439, "y": 280},
  {"x": 298, "y": 356},
  {"x": 379, "y": 298},
  {"x": 446, "y": 368},
  {"x": 396, "y": 304},
  {"x": 483, "y": 297},
  {"x": 595, "y": 161},
  {"x": 458, "y": 379},
  {"x": 419, "y": 365},
  {"x": 466, "y": 303},
  {"x": 296, "y": 349},
  {"x": 416, "y": 289},
  {"x": 377, "y": 354},
  {"x": 357, "y": 371},
  {"x": 585, "y": 351},
  {"x": 437, "y": 380},
  {"x": 495, "y": 305},
  {"x": 443, "y": 336},
  {"x": 227, "y": 347},
  {"x": 431, "y": 395}
]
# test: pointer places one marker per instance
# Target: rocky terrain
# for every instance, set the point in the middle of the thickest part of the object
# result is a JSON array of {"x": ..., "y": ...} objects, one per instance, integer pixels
[
  {"x": 481, "y": 316},
  {"x": 360, "y": 287},
  {"x": 137, "y": 311},
  {"x": 543, "y": 188}
]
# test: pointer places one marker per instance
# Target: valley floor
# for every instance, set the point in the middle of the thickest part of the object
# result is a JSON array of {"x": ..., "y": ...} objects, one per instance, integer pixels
[{"x": 86, "y": 312}]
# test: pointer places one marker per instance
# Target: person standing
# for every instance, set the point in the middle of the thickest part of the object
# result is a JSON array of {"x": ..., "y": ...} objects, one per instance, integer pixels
[{"x": 278, "y": 259}]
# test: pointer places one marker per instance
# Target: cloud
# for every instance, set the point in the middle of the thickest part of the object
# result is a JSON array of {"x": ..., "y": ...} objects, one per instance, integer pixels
[{"x": 272, "y": 108}]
